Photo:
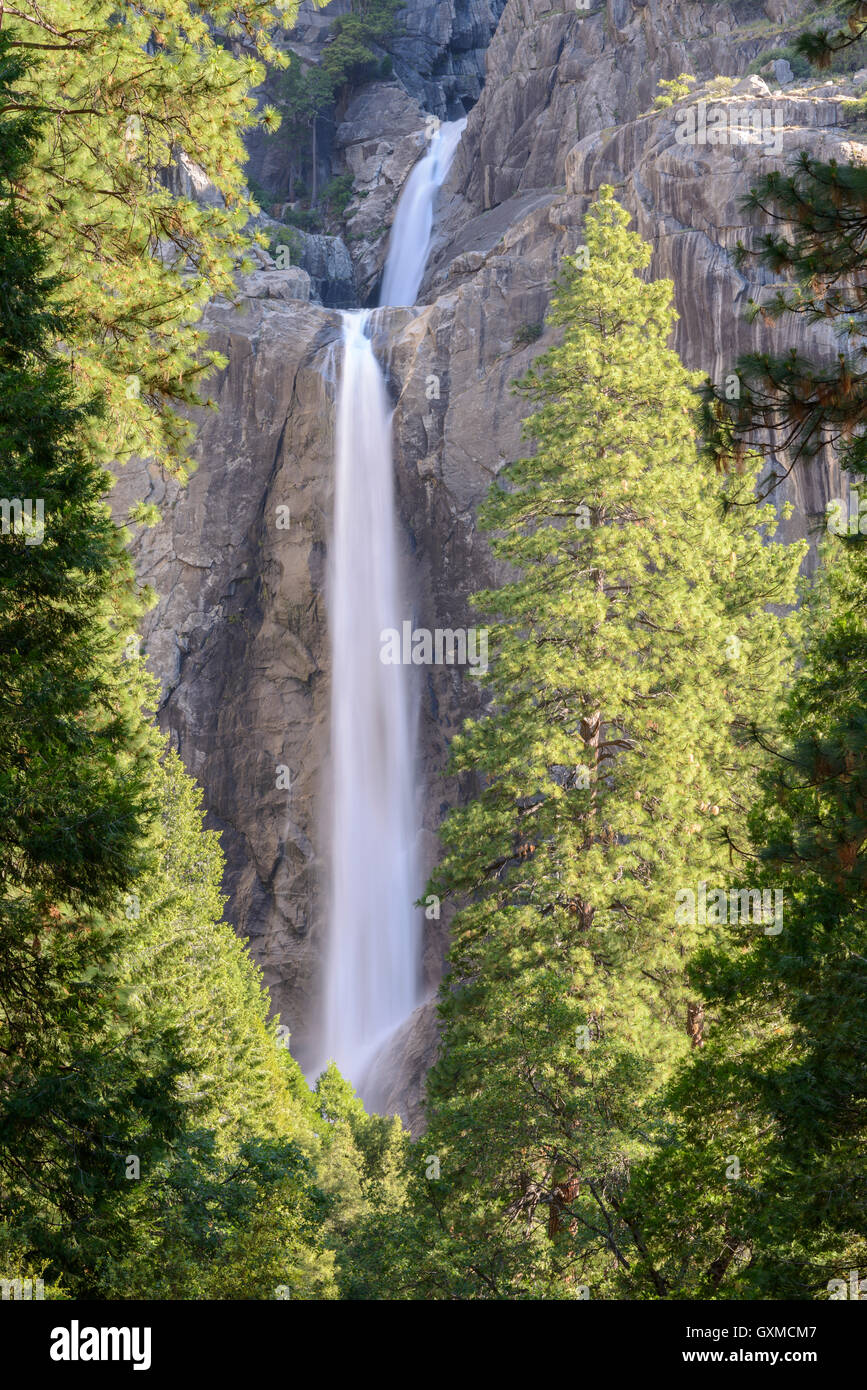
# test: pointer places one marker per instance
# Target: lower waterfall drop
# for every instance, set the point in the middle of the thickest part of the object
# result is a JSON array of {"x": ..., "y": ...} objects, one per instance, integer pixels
[
  {"x": 373, "y": 960},
  {"x": 373, "y": 964}
]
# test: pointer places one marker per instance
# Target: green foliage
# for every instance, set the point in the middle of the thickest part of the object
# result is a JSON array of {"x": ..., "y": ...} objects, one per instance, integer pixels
[
  {"x": 528, "y": 333},
  {"x": 611, "y": 770},
  {"x": 234, "y": 1210},
  {"x": 305, "y": 219},
  {"x": 260, "y": 195},
  {"x": 290, "y": 240},
  {"x": 361, "y": 1164},
  {"x": 74, "y": 764},
  {"x": 817, "y": 252},
  {"x": 144, "y": 514},
  {"x": 801, "y": 66},
  {"x": 76, "y": 787},
  {"x": 154, "y": 1139},
  {"x": 126, "y": 85},
  {"x": 337, "y": 194},
  {"x": 822, "y": 44},
  {"x": 350, "y": 53},
  {"x": 673, "y": 89},
  {"x": 782, "y": 1082}
]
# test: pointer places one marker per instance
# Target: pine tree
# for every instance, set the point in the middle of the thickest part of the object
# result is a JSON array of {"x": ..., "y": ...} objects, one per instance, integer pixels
[
  {"x": 806, "y": 406},
  {"x": 127, "y": 86},
  {"x": 362, "y": 1165},
  {"x": 76, "y": 760},
  {"x": 632, "y": 651},
  {"x": 762, "y": 1192},
  {"x": 235, "y": 1210},
  {"x": 822, "y": 43},
  {"x": 815, "y": 248},
  {"x": 154, "y": 1138}
]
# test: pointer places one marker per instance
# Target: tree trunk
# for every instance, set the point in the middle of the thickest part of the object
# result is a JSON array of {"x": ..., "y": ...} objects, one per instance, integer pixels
[
  {"x": 695, "y": 1023},
  {"x": 563, "y": 1194},
  {"x": 313, "y": 188}
]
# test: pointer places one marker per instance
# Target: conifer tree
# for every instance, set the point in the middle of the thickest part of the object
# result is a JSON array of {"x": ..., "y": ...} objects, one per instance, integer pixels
[
  {"x": 815, "y": 247},
  {"x": 128, "y": 87},
  {"x": 762, "y": 1193},
  {"x": 235, "y": 1209},
  {"x": 362, "y": 1165},
  {"x": 818, "y": 250},
  {"x": 779, "y": 1090},
  {"x": 632, "y": 651},
  {"x": 153, "y": 1136},
  {"x": 76, "y": 760},
  {"x": 834, "y": 32}
]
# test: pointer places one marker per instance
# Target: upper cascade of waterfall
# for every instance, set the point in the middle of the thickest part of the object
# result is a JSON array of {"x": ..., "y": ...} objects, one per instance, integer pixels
[{"x": 409, "y": 244}]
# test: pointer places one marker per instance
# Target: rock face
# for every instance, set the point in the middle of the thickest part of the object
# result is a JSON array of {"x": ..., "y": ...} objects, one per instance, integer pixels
[
  {"x": 239, "y": 638},
  {"x": 439, "y": 47},
  {"x": 380, "y": 139},
  {"x": 440, "y": 56},
  {"x": 557, "y": 73},
  {"x": 328, "y": 263},
  {"x": 437, "y": 51}
]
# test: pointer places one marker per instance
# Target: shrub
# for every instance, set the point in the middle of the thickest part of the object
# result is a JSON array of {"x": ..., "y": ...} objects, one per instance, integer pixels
[
  {"x": 528, "y": 333},
  {"x": 673, "y": 89}
]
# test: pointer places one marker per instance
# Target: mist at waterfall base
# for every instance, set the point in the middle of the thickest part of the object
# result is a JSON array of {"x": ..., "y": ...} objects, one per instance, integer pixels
[{"x": 373, "y": 957}]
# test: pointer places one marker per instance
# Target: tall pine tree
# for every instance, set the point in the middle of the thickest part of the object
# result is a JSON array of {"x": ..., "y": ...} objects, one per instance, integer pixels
[
  {"x": 154, "y": 1138},
  {"x": 129, "y": 87},
  {"x": 76, "y": 767},
  {"x": 762, "y": 1192},
  {"x": 632, "y": 651}
]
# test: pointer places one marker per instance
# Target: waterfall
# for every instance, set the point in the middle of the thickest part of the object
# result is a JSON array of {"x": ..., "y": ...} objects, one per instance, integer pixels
[
  {"x": 413, "y": 223},
  {"x": 372, "y": 971},
  {"x": 371, "y": 982}
]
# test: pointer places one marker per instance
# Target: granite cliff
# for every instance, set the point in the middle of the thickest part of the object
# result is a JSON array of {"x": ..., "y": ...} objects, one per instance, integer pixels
[{"x": 559, "y": 101}]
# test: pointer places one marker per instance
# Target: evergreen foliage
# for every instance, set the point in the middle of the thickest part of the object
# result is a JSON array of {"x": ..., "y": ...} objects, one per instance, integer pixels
[
  {"x": 154, "y": 1139},
  {"x": 76, "y": 793},
  {"x": 126, "y": 86},
  {"x": 816, "y": 249},
  {"x": 781, "y": 1086},
  {"x": 633, "y": 651},
  {"x": 353, "y": 54}
]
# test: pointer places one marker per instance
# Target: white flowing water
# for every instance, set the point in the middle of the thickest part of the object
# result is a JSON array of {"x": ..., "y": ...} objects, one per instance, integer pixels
[
  {"x": 372, "y": 971},
  {"x": 371, "y": 981},
  {"x": 409, "y": 245}
]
